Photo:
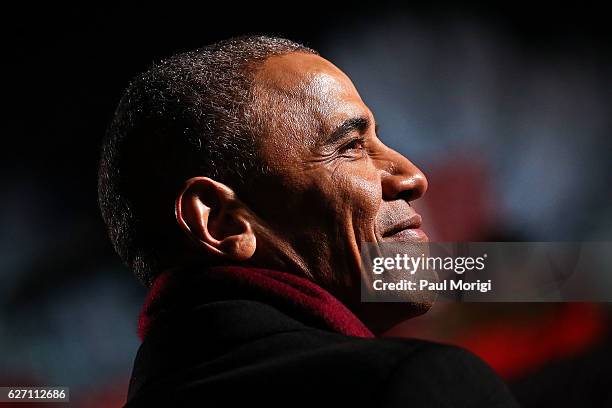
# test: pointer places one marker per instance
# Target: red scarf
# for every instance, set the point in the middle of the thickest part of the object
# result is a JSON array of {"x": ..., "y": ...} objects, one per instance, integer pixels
[{"x": 298, "y": 297}]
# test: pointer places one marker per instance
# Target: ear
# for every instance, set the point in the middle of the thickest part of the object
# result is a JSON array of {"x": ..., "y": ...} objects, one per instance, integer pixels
[{"x": 215, "y": 220}]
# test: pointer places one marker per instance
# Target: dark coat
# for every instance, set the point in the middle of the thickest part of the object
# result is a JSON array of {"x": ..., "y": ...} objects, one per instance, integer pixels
[{"x": 243, "y": 351}]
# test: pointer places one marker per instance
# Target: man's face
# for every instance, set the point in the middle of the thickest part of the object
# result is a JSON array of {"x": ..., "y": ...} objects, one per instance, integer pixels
[{"x": 332, "y": 184}]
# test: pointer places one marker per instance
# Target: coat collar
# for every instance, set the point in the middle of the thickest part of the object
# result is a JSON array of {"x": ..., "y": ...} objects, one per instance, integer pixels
[{"x": 301, "y": 299}]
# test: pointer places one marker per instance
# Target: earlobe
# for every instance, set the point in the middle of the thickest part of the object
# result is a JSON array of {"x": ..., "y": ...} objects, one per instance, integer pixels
[
  {"x": 241, "y": 246},
  {"x": 213, "y": 218}
]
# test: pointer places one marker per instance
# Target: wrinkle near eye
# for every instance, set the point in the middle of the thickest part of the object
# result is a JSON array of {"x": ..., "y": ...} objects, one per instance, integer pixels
[{"x": 328, "y": 155}]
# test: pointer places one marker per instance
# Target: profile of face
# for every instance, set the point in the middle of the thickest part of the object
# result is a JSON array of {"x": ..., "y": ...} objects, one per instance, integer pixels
[{"x": 331, "y": 184}]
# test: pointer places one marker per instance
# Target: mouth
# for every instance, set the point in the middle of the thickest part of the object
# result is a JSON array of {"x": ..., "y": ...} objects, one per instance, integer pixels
[{"x": 408, "y": 229}]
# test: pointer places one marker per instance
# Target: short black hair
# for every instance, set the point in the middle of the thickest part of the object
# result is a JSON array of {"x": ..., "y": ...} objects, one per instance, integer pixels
[{"x": 186, "y": 116}]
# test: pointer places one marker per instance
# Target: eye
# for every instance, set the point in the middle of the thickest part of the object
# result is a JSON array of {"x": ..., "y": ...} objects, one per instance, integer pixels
[{"x": 355, "y": 144}]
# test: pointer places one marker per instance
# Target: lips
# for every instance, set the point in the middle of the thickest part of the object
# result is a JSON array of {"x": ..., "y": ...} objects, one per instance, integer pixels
[{"x": 408, "y": 229}]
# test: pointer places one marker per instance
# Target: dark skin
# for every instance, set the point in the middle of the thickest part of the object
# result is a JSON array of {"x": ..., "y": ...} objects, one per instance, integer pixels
[{"x": 331, "y": 185}]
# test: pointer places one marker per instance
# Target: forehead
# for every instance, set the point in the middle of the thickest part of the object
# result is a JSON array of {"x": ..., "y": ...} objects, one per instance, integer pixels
[
  {"x": 303, "y": 71},
  {"x": 309, "y": 89}
]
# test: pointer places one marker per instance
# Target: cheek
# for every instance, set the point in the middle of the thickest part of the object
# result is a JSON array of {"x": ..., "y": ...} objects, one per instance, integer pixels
[{"x": 362, "y": 195}]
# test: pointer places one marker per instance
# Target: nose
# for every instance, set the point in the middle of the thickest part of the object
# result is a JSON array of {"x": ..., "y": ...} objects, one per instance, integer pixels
[{"x": 401, "y": 179}]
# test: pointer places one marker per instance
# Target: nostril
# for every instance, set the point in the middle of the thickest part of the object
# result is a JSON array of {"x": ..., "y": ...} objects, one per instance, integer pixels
[{"x": 408, "y": 195}]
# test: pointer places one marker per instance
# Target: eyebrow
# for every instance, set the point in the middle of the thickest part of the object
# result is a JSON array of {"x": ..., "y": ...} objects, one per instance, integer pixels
[{"x": 360, "y": 124}]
